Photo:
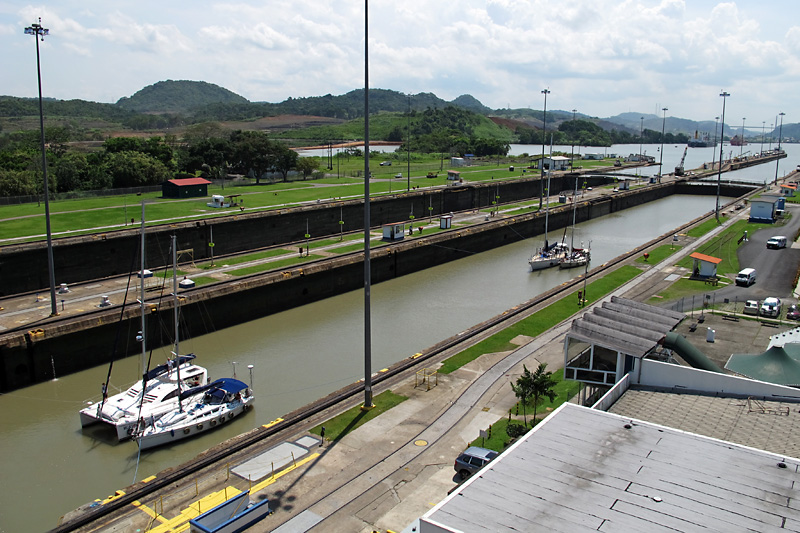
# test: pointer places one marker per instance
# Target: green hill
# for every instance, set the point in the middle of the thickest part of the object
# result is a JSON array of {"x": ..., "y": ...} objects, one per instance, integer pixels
[{"x": 178, "y": 97}]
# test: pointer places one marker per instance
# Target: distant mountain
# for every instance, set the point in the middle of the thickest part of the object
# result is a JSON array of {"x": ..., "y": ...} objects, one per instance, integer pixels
[
  {"x": 468, "y": 101},
  {"x": 178, "y": 97}
]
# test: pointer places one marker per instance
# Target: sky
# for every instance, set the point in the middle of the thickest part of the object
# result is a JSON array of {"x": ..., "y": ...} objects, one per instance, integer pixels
[{"x": 601, "y": 57}]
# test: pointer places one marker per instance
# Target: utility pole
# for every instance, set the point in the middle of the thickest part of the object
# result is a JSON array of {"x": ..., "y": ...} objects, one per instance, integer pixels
[
  {"x": 545, "y": 92},
  {"x": 661, "y": 157},
  {"x": 724, "y": 96},
  {"x": 780, "y": 134},
  {"x": 39, "y": 32}
]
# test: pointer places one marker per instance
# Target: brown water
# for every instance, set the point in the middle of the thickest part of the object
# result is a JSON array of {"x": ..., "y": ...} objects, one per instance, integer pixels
[{"x": 50, "y": 465}]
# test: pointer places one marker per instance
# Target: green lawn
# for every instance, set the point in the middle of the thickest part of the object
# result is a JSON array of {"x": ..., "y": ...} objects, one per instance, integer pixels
[
  {"x": 658, "y": 254},
  {"x": 542, "y": 320},
  {"x": 273, "y": 265},
  {"x": 339, "y": 426},
  {"x": 235, "y": 260}
]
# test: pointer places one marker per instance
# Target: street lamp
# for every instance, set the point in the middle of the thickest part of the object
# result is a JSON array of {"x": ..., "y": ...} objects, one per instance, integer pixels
[
  {"x": 780, "y": 134},
  {"x": 572, "y": 149},
  {"x": 367, "y": 263},
  {"x": 763, "y": 124},
  {"x": 741, "y": 146},
  {"x": 545, "y": 92},
  {"x": 641, "y": 133},
  {"x": 661, "y": 158},
  {"x": 39, "y": 32},
  {"x": 408, "y": 146},
  {"x": 724, "y": 96},
  {"x": 771, "y": 133}
]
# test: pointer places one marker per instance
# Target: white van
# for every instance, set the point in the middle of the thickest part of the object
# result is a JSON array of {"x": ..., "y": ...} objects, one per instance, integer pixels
[
  {"x": 746, "y": 277},
  {"x": 778, "y": 241}
]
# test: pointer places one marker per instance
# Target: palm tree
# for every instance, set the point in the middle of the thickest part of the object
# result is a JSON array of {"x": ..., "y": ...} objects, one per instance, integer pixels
[
  {"x": 543, "y": 384},
  {"x": 537, "y": 385}
]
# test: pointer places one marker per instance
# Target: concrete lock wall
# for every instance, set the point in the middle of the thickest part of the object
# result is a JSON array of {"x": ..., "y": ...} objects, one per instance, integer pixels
[
  {"x": 76, "y": 344},
  {"x": 23, "y": 267}
]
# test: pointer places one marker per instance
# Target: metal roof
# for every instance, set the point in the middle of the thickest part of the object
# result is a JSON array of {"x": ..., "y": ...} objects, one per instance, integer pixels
[
  {"x": 588, "y": 470},
  {"x": 633, "y": 328}
]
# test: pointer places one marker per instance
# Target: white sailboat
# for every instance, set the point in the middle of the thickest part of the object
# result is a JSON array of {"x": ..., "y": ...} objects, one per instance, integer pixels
[
  {"x": 206, "y": 408},
  {"x": 575, "y": 257},
  {"x": 549, "y": 255},
  {"x": 159, "y": 390}
]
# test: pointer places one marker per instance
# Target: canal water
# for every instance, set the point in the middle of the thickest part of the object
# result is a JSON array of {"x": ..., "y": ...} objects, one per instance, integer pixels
[{"x": 51, "y": 465}]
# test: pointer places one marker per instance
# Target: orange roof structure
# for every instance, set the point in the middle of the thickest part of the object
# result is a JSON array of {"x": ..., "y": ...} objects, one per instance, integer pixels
[{"x": 706, "y": 258}]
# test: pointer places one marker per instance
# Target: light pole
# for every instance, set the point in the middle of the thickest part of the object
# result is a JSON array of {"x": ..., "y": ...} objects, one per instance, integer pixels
[
  {"x": 780, "y": 134},
  {"x": 367, "y": 264},
  {"x": 741, "y": 146},
  {"x": 724, "y": 96},
  {"x": 39, "y": 32},
  {"x": 408, "y": 146},
  {"x": 661, "y": 157},
  {"x": 763, "y": 124},
  {"x": 641, "y": 138},
  {"x": 572, "y": 149},
  {"x": 771, "y": 133},
  {"x": 545, "y": 92}
]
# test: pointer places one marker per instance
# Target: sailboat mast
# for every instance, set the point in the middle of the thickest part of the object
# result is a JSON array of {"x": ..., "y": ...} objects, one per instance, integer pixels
[
  {"x": 574, "y": 211},
  {"x": 141, "y": 308},
  {"x": 175, "y": 316}
]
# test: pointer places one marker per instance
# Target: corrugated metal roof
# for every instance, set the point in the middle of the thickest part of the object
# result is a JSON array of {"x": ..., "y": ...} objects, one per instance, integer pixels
[
  {"x": 583, "y": 470},
  {"x": 633, "y": 328}
]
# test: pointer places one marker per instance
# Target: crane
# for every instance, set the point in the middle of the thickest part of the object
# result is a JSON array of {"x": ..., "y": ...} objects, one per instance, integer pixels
[{"x": 679, "y": 168}]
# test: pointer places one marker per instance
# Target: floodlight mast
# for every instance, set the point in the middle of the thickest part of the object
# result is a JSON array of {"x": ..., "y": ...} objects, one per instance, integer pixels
[{"x": 39, "y": 32}]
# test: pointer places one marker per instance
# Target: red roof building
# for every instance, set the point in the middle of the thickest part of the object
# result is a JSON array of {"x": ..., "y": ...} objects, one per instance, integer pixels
[{"x": 185, "y": 188}]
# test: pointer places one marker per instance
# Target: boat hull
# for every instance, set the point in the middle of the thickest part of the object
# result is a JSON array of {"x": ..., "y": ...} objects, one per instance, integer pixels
[
  {"x": 540, "y": 263},
  {"x": 153, "y": 439}
]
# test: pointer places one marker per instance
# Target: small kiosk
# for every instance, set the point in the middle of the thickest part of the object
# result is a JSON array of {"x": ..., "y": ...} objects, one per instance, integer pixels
[{"x": 394, "y": 232}]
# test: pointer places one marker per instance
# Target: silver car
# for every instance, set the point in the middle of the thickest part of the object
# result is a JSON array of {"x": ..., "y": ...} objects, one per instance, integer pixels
[{"x": 472, "y": 459}]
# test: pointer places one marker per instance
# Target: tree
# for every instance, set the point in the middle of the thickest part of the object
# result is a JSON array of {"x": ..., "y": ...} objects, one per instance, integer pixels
[
  {"x": 284, "y": 159},
  {"x": 534, "y": 386},
  {"x": 543, "y": 384},
  {"x": 134, "y": 169},
  {"x": 252, "y": 151},
  {"x": 307, "y": 166}
]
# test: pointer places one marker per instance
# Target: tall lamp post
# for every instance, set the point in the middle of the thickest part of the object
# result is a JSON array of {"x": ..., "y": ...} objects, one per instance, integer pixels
[
  {"x": 780, "y": 134},
  {"x": 641, "y": 136},
  {"x": 545, "y": 92},
  {"x": 408, "y": 146},
  {"x": 572, "y": 149},
  {"x": 741, "y": 146},
  {"x": 724, "y": 96},
  {"x": 661, "y": 157},
  {"x": 39, "y": 32},
  {"x": 367, "y": 264},
  {"x": 763, "y": 124}
]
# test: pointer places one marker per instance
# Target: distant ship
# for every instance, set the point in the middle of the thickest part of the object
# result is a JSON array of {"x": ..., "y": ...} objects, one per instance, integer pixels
[
  {"x": 738, "y": 141},
  {"x": 701, "y": 141}
]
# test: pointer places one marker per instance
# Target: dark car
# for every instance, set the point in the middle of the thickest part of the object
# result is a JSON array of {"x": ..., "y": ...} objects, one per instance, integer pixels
[
  {"x": 793, "y": 313},
  {"x": 472, "y": 459}
]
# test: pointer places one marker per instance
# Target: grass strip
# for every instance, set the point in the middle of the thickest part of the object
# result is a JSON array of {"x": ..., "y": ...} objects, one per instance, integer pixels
[
  {"x": 543, "y": 320},
  {"x": 658, "y": 254},
  {"x": 340, "y": 425},
  {"x": 273, "y": 265},
  {"x": 236, "y": 260}
]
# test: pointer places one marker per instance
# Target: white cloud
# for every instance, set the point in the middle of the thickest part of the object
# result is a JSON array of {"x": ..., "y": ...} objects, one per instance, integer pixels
[{"x": 601, "y": 56}]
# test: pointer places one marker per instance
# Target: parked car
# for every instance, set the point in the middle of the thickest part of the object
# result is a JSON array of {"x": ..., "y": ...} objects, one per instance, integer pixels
[
  {"x": 386, "y": 163},
  {"x": 751, "y": 307},
  {"x": 793, "y": 312},
  {"x": 472, "y": 459},
  {"x": 771, "y": 307},
  {"x": 778, "y": 241}
]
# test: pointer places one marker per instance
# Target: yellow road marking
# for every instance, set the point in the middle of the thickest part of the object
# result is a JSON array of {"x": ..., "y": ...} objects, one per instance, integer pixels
[{"x": 271, "y": 480}]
